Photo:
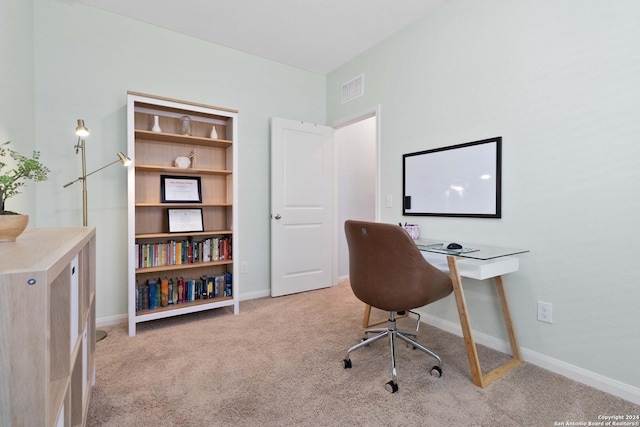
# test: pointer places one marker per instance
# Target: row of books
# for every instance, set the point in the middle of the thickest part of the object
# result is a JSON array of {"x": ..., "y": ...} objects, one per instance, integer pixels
[
  {"x": 183, "y": 252},
  {"x": 165, "y": 291}
]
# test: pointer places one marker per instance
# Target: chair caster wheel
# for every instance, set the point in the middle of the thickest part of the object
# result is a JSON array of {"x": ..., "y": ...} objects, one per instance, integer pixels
[
  {"x": 346, "y": 363},
  {"x": 436, "y": 370},
  {"x": 391, "y": 387}
]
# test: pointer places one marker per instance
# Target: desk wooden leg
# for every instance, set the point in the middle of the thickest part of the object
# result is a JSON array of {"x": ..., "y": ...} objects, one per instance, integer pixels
[
  {"x": 367, "y": 316},
  {"x": 472, "y": 354},
  {"x": 469, "y": 343},
  {"x": 506, "y": 313}
]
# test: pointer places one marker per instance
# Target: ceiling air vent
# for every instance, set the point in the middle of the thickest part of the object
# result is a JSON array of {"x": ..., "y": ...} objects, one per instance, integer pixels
[{"x": 353, "y": 88}]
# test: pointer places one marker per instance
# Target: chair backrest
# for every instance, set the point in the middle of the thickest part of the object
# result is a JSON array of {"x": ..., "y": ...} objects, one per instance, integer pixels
[{"x": 387, "y": 270}]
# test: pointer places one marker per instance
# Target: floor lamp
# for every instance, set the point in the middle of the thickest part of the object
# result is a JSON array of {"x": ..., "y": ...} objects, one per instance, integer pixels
[{"x": 82, "y": 131}]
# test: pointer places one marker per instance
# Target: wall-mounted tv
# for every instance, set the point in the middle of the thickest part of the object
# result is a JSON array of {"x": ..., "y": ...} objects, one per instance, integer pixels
[{"x": 461, "y": 180}]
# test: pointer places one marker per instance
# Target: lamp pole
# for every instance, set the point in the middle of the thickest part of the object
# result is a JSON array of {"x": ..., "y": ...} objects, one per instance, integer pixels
[
  {"x": 82, "y": 131},
  {"x": 80, "y": 146}
]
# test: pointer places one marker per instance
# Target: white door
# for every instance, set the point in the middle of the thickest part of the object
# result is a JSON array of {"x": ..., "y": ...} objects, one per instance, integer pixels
[{"x": 301, "y": 206}]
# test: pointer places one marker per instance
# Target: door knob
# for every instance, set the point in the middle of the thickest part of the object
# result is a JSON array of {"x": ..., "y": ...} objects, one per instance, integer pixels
[{"x": 277, "y": 216}]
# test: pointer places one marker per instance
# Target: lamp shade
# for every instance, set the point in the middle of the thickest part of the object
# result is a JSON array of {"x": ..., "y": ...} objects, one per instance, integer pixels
[
  {"x": 126, "y": 161},
  {"x": 81, "y": 129}
]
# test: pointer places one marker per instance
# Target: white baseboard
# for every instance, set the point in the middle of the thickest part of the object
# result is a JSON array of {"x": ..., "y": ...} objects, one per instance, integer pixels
[
  {"x": 254, "y": 295},
  {"x": 111, "y": 320},
  {"x": 592, "y": 379}
]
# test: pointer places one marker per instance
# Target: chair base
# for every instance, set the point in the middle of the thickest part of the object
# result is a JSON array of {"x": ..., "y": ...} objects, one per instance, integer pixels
[{"x": 393, "y": 334}]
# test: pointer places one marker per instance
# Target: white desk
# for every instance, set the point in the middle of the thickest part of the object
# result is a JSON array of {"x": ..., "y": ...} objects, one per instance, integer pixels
[{"x": 484, "y": 263}]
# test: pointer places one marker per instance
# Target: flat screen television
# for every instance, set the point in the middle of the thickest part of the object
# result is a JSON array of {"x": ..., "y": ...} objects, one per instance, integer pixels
[{"x": 461, "y": 180}]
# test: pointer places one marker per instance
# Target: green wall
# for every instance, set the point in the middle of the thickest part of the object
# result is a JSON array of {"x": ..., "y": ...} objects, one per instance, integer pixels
[
  {"x": 560, "y": 82},
  {"x": 17, "y": 91},
  {"x": 85, "y": 62}
]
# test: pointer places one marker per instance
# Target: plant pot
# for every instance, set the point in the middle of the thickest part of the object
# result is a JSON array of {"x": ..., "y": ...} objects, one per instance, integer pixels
[{"x": 11, "y": 226}]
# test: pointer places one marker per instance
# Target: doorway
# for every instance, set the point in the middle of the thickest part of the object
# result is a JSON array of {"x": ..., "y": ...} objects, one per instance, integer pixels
[{"x": 356, "y": 144}]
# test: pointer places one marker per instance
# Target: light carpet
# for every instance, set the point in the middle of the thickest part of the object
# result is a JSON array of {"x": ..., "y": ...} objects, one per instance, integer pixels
[{"x": 278, "y": 363}]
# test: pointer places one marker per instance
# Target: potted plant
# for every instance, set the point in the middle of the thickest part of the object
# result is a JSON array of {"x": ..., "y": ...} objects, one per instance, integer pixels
[{"x": 11, "y": 180}]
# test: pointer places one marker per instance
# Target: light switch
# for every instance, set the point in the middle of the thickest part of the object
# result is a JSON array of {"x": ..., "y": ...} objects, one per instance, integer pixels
[{"x": 389, "y": 201}]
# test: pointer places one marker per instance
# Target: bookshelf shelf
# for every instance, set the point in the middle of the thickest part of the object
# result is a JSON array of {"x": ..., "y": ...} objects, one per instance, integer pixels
[
  {"x": 181, "y": 171},
  {"x": 186, "y": 308},
  {"x": 214, "y": 161},
  {"x": 181, "y": 139},
  {"x": 186, "y": 305},
  {"x": 174, "y": 235},
  {"x": 182, "y": 266},
  {"x": 181, "y": 205},
  {"x": 47, "y": 310}
]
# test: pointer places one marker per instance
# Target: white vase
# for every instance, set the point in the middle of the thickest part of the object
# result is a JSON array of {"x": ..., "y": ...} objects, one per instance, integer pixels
[
  {"x": 185, "y": 125},
  {"x": 156, "y": 124},
  {"x": 214, "y": 133}
]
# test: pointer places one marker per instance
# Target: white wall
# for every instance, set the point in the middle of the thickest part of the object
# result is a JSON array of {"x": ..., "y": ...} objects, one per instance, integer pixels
[
  {"x": 356, "y": 147},
  {"x": 85, "y": 61},
  {"x": 560, "y": 82}
]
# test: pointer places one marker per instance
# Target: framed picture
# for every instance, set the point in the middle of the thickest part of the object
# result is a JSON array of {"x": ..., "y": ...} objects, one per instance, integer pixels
[
  {"x": 462, "y": 180},
  {"x": 180, "y": 189},
  {"x": 185, "y": 220}
]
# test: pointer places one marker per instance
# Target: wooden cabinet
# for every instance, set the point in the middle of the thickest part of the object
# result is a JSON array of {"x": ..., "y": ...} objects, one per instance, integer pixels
[
  {"x": 156, "y": 137},
  {"x": 47, "y": 327}
]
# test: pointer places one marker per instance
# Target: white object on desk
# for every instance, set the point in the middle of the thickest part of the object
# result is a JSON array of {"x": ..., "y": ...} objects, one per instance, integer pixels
[
  {"x": 475, "y": 268},
  {"x": 413, "y": 230}
]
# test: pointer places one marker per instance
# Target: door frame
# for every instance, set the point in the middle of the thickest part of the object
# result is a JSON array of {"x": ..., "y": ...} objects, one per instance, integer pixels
[{"x": 374, "y": 111}]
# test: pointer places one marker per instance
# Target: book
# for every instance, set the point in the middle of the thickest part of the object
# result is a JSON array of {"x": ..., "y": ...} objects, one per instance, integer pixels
[
  {"x": 191, "y": 287},
  {"x": 201, "y": 287},
  {"x": 144, "y": 300},
  {"x": 137, "y": 295},
  {"x": 164, "y": 290},
  {"x": 180, "y": 290},
  {"x": 152, "y": 294},
  {"x": 206, "y": 251},
  {"x": 137, "y": 252},
  {"x": 210, "y": 286},
  {"x": 220, "y": 285},
  {"x": 228, "y": 284},
  {"x": 174, "y": 291},
  {"x": 158, "y": 294}
]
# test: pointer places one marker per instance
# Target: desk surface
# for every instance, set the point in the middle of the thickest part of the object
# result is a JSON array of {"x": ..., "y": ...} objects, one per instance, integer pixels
[{"x": 480, "y": 252}]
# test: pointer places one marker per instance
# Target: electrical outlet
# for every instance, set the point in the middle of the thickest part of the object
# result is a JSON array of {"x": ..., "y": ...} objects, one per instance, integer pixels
[
  {"x": 244, "y": 267},
  {"x": 545, "y": 311}
]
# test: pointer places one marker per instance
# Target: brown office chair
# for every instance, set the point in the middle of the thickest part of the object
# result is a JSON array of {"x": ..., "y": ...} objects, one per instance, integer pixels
[{"x": 387, "y": 271}]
